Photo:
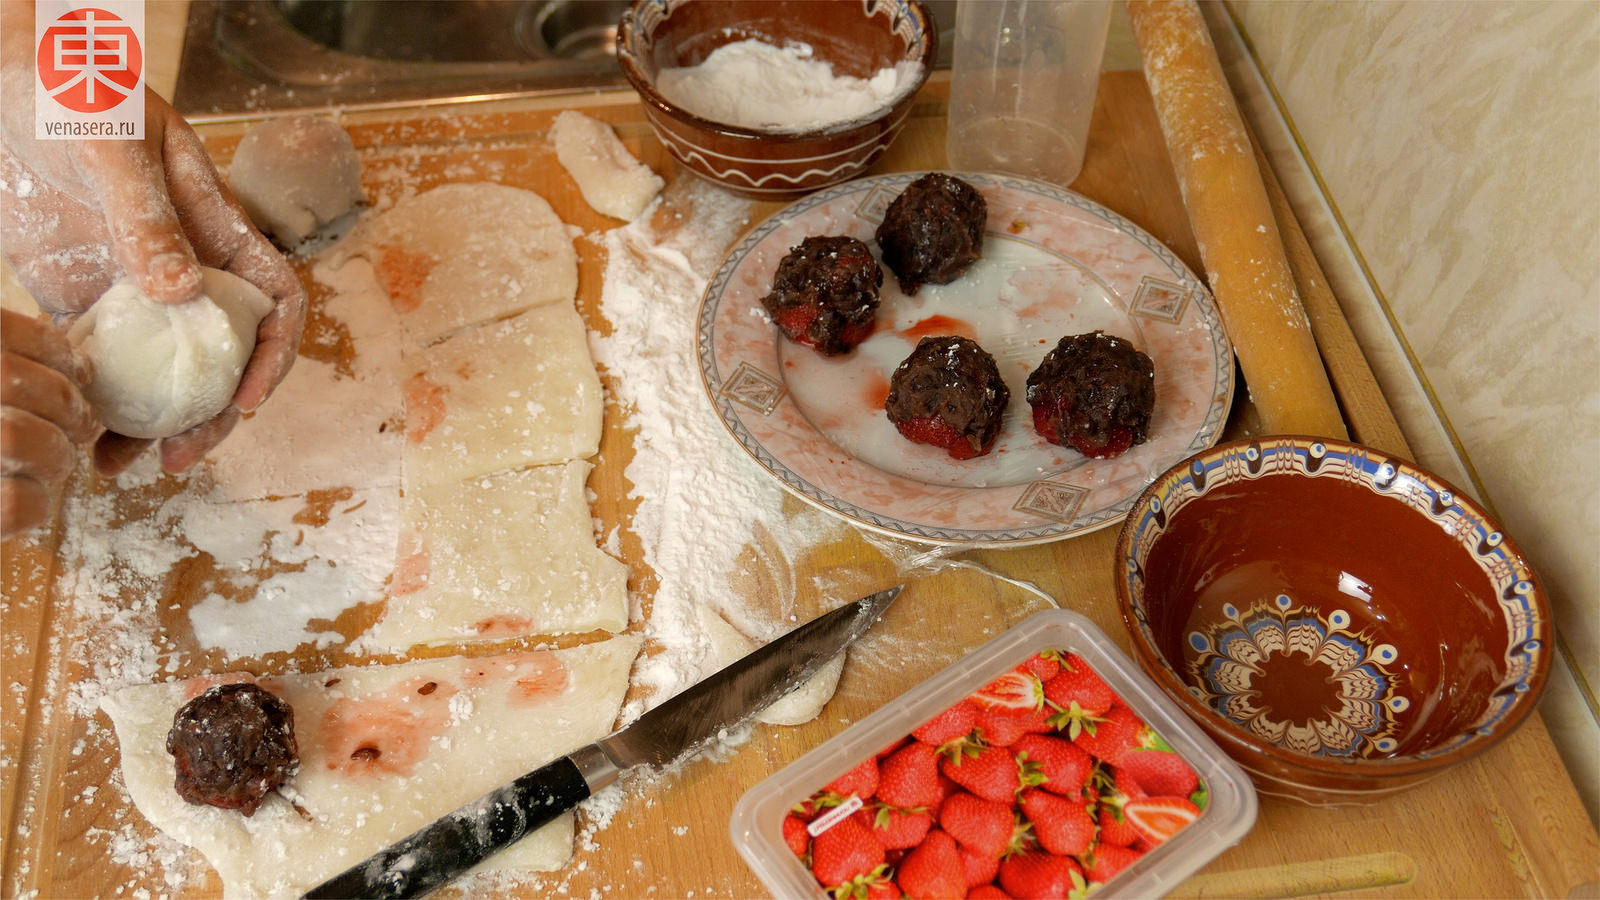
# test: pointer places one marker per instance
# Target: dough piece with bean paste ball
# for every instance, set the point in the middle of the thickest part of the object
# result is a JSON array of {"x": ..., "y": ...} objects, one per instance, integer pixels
[
  {"x": 295, "y": 174},
  {"x": 933, "y": 231},
  {"x": 948, "y": 393},
  {"x": 233, "y": 745},
  {"x": 1094, "y": 393},
  {"x": 825, "y": 294}
]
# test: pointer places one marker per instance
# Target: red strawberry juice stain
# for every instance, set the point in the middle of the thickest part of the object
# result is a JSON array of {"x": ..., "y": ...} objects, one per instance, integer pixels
[
  {"x": 387, "y": 733},
  {"x": 502, "y": 626},
  {"x": 402, "y": 274},
  {"x": 413, "y": 565},
  {"x": 532, "y": 679},
  {"x": 875, "y": 386},
  {"x": 938, "y": 326},
  {"x": 425, "y": 407}
]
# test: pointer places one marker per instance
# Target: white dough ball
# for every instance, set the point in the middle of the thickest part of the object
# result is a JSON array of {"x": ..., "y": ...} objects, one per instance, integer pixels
[
  {"x": 295, "y": 174},
  {"x": 162, "y": 369}
]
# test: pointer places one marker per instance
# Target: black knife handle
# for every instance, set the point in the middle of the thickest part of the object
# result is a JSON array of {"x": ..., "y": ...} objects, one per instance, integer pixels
[{"x": 452, "y": 845}]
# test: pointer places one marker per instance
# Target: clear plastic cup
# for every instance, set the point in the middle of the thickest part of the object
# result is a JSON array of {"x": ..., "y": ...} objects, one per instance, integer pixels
[{"x": 1022, "y": 85}]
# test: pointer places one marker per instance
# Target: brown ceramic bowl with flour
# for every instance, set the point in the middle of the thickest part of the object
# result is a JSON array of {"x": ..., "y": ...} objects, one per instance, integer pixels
[{"x": 857, "y": 39}]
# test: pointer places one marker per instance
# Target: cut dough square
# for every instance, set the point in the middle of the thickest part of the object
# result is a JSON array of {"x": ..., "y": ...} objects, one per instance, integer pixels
[
  {"x": 334, "y": 421},
  {"x": 384, "y": 750},
  {"x": 464, "y": 254},
  {"x": 502, "y": 556},
  {"x": 610, "y": 179},
  {"x": 522, "y": 392},
  {"x": 322, "y": 430}
]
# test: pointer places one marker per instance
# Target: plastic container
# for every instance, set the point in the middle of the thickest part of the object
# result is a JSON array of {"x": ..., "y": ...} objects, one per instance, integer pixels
[
  {"x": 1022, "y": 84},
  {"x": 1226, "y": 799}
]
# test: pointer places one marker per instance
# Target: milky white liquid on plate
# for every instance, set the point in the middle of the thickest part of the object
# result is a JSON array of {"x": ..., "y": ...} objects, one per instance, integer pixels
[{"x": 1017, "y": 302}]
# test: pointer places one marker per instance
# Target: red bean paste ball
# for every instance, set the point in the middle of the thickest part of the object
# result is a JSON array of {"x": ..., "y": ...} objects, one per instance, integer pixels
[
  {"x": 233, "y": 744},
  {"x": 948, "y": 393},
  {"x": 825, "y": 294},
  {"x": 933, "y": 231},
  {"x": 1093, "y": 393}
]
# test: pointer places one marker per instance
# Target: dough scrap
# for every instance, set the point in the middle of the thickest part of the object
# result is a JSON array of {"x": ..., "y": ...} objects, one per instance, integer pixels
[
  {"x": 483, "y": 723},
  {"x": 464, "y": 254},
  {"x": 502, "y": 556},
  {"x": 295, "y": 174},
  {"x": 161, "y": 369},
  {"x": 610, "y": 179},
  {"x": 522, "y": 392},
  {"x": 797, "y": 707}
]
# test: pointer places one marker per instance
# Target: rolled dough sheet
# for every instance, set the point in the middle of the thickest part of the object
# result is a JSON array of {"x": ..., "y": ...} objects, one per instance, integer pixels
[
  {"x": 482, "y": 723},
  {"x": 464, "y": 254},
  {"x": 501, "y": 556},
  {"x": 522, "y": 392}
]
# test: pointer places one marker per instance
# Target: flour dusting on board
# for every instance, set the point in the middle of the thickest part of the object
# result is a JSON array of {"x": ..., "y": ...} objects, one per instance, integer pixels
[{"x": 700, "y": 497}]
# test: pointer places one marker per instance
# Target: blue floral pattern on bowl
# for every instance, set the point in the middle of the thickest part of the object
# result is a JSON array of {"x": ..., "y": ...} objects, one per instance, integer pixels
[{"x": 1232, "y": 656}]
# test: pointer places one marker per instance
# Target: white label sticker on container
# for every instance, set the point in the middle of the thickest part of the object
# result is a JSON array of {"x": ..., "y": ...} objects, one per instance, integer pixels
[{"x": 833, "y": 816}]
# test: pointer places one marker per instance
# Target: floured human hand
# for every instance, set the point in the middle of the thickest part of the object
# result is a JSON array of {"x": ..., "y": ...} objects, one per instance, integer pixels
[
  {"x": 42, "y": 415},
  {"x": 78, "y": 214}
]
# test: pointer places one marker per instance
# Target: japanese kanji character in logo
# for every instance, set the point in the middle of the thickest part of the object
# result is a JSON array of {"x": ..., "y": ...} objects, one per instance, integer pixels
[{"x": 89, "y": 60}]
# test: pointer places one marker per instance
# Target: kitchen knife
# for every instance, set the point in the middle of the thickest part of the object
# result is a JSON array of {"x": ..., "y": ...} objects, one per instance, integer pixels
[{"x": 675, "y": 729}]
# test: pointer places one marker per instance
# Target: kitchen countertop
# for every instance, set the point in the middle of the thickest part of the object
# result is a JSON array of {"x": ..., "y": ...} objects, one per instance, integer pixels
[{"x": 1506, "y": 824}]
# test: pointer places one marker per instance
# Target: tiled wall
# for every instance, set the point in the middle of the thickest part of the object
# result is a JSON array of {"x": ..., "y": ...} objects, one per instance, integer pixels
[{"x": 1458, "y": 147}]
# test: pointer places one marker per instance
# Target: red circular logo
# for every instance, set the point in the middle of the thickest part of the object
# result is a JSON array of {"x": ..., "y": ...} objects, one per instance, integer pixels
[{"x": 89, "y": 60}]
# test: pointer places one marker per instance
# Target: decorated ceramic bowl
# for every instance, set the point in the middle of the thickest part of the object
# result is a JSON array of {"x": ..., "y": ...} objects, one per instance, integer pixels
[
  {"x": 1344, "y": 624},
  {"x": 858, "y": 39}
]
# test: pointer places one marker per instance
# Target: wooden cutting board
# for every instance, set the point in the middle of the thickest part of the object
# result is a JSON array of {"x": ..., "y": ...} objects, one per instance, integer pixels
[{"x": 1508, "y": 824}]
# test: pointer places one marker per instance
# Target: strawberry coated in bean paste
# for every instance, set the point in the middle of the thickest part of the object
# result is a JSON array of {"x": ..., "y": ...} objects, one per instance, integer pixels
[{"x": 1041, "y": 784}]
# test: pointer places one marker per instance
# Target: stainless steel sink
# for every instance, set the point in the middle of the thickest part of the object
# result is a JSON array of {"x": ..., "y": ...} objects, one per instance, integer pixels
[{"x": 242, "y": 57}]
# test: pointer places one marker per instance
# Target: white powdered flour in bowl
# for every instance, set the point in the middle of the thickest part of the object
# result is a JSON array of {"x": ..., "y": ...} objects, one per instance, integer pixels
[{"x": 753, "y": 84}]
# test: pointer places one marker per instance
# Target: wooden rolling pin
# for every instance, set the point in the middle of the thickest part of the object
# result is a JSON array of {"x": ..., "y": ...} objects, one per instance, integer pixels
[{"x": 1233, "y": 221}]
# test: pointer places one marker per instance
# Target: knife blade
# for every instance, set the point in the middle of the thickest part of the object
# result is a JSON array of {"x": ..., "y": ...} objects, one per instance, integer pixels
[{"x": 674, "y": 730}]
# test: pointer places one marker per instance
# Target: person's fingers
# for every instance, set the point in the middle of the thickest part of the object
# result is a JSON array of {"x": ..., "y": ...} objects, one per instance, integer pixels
[
  {"x": 224, "y": 238},
  {"x": 214, "y": 221},
  {"x": 115, "y": 452},
  {"x": 33, "y": 447},
  {"x": 147, "y": 237},
  {"x": 46, "y": 393},
  {"x": 24, "y": 504},
  {"x": 277, "y": 343},
  {"x": 32, "y": 337},
  {"x": 180, "y": 452},
  {"x": 57, "y": 245}
]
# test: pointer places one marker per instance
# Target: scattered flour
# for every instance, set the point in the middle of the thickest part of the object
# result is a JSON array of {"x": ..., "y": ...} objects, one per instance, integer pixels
[
  {"x": 700, "y": 497},
  {"x": 754, "y": 84}
]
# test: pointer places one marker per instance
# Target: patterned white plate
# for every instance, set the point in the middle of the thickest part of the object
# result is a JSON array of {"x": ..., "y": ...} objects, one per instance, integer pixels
[{"x": 1054, "y": 263}]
